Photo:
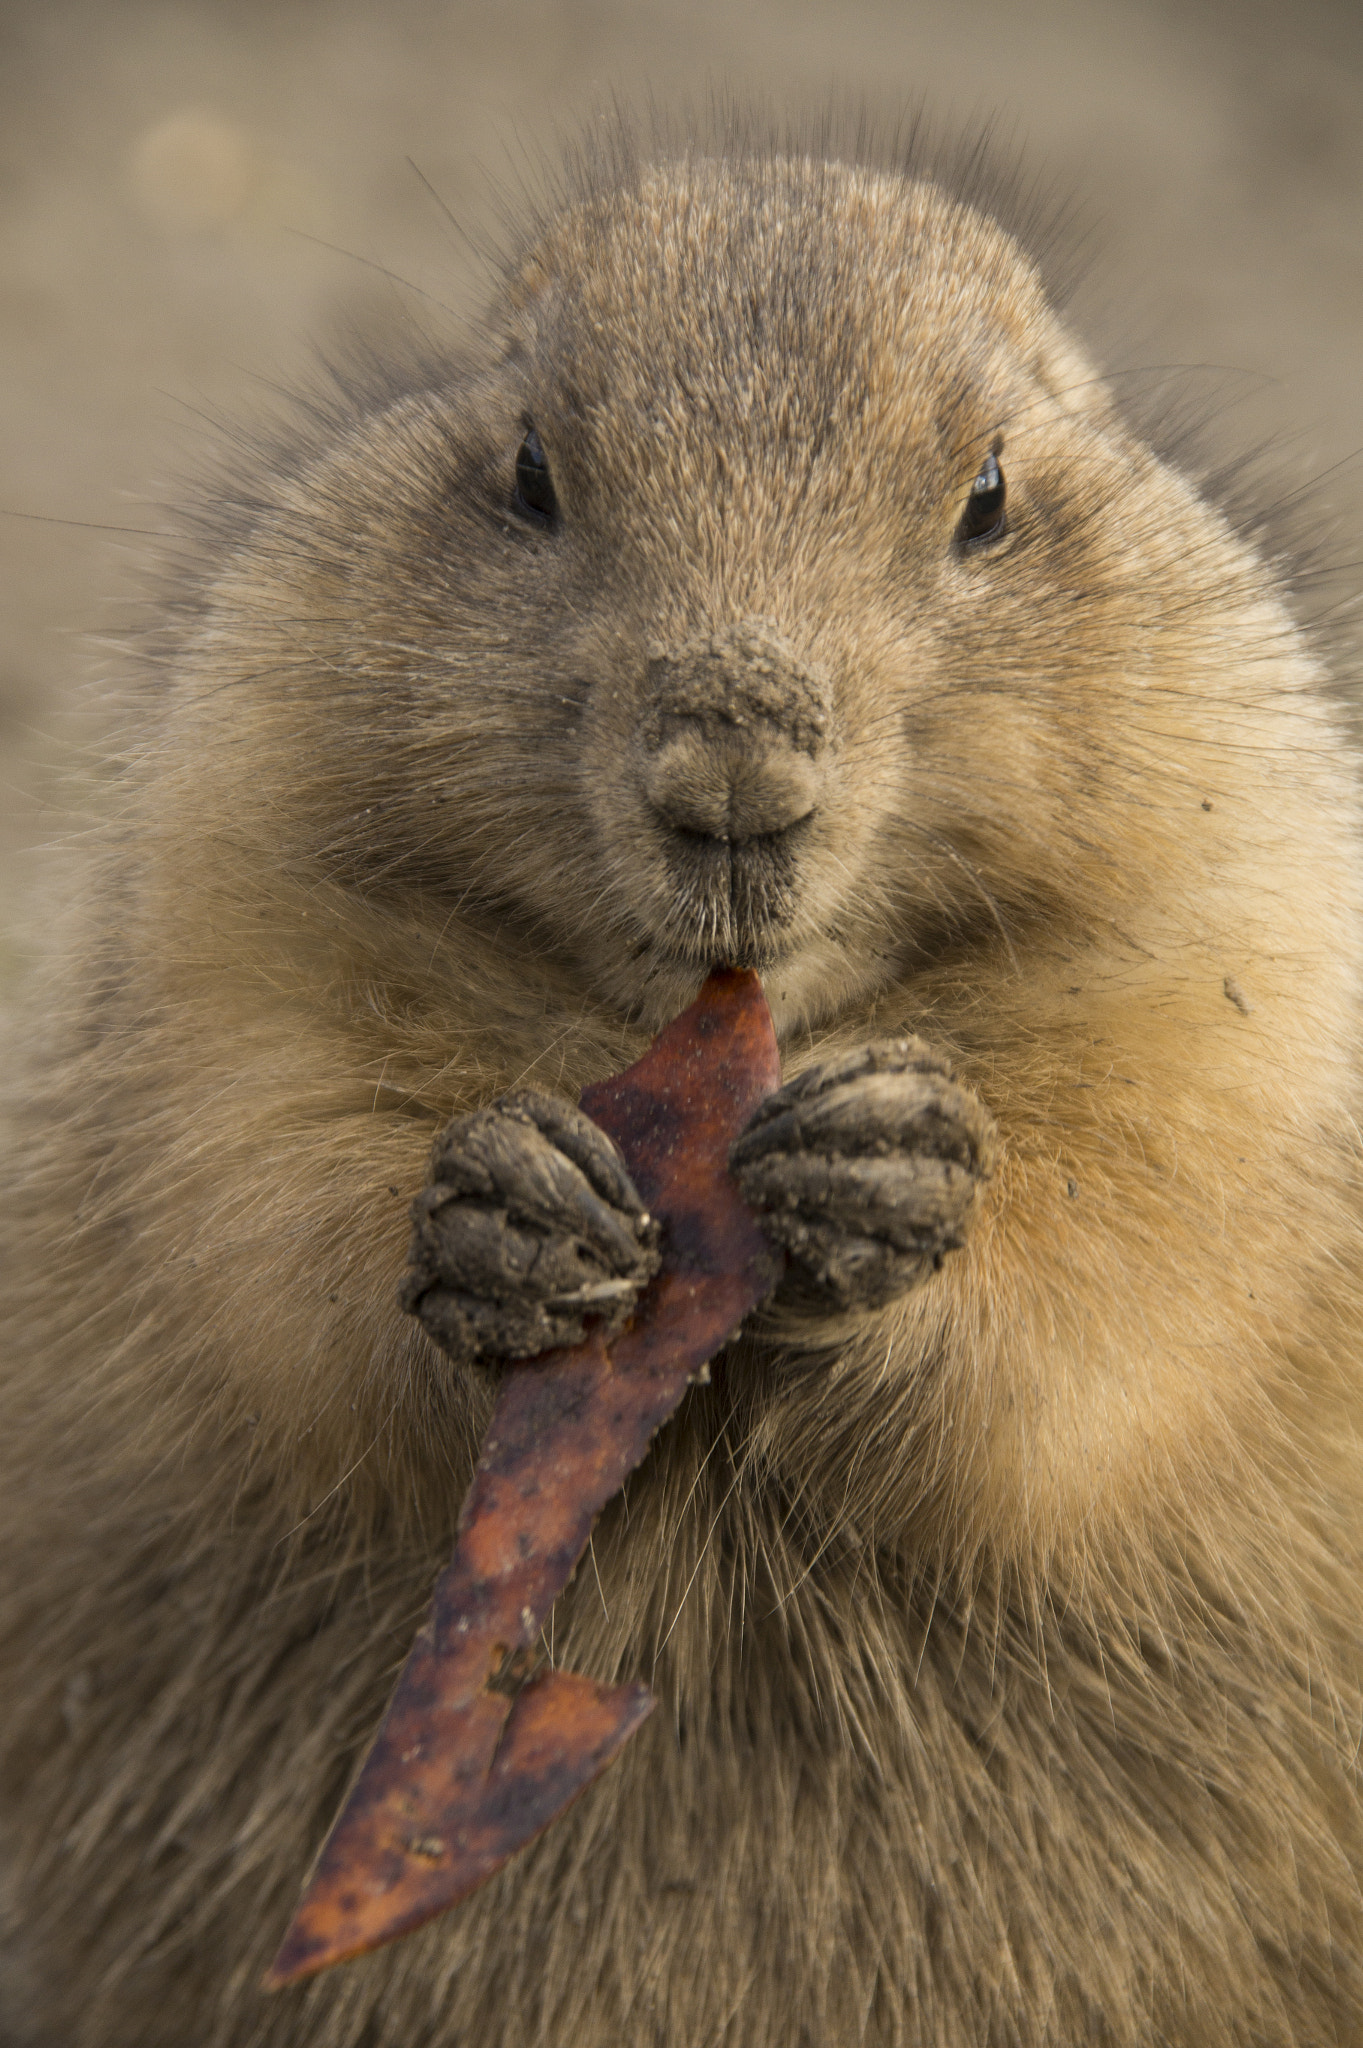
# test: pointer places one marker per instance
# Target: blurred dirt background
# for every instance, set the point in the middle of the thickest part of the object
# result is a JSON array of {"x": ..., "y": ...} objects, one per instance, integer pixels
[{"x": 171, "y": 171}]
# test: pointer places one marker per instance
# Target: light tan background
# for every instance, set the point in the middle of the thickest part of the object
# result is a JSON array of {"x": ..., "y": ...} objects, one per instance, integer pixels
[{"x": 162, "y": 167}]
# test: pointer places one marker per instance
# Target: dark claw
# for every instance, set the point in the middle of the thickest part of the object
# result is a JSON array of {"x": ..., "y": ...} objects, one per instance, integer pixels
[
  {"x": 530, "y": 1230},
  {"x": 879, "y": 1114},
  {"x": 867, "y": 1170},
  {"x": 909, "y": 1200},
  {"x": 585, "y": 1143}
]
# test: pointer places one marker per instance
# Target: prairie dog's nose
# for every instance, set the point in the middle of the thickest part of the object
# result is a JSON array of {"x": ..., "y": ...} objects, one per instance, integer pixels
[
  {"x": 726, "y": 793},
  {"x": 733, "y": 731}
]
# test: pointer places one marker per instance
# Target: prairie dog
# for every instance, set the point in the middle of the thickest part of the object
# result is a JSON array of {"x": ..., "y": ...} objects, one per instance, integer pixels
[{"x": 773, "y": 579}]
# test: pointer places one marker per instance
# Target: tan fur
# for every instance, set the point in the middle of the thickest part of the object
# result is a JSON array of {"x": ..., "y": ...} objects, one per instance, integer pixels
[{"x": 1009, "y": 1637}]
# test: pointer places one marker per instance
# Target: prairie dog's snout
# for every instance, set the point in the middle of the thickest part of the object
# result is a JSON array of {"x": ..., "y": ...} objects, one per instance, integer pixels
[
  {"x": 735, "y": 764},
  {"x": 734, "y": 732}
]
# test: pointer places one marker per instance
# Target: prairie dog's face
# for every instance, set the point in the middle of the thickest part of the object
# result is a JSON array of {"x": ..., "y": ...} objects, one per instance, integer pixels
[{"x": 759, "y": 599}]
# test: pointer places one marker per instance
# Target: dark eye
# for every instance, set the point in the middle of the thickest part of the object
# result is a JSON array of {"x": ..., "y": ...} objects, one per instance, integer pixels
[
  {"x": 534, "y": 494},
  {"x": 983, "y": 517}
]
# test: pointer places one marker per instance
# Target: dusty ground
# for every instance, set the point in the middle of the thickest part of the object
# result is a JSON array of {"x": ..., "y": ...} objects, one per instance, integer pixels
[{"x": 163, "y": 166}]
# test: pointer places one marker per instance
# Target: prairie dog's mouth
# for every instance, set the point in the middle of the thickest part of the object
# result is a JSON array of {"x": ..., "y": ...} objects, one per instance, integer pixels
[{"x": 731, "y": 901}]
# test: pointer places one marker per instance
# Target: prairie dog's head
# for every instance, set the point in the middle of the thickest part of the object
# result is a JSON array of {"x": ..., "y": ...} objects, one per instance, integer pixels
[{"x": 773, "y": 583}]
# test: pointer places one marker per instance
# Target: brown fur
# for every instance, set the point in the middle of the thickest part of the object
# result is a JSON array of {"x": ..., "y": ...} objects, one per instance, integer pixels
[{"x": 1009, "y": 1636}]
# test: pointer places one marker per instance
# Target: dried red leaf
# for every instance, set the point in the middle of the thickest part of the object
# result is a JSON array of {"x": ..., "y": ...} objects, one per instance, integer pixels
[{"x": 473, "y": 1758}]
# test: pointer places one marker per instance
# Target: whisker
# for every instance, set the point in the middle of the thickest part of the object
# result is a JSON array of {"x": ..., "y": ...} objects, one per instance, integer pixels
[{"x": 973, "y": 875}]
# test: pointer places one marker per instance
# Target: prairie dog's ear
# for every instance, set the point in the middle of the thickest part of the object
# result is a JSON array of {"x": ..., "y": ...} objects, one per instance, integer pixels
[
  {"x": 526, "y": 283},
  {"x": 1072, "y": 378}
]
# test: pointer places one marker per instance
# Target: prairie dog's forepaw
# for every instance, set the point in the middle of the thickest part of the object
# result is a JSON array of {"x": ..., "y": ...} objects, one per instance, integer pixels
[
  {"x": 530, "y": 1229},
  {"x": 867, "y": 1169}
]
